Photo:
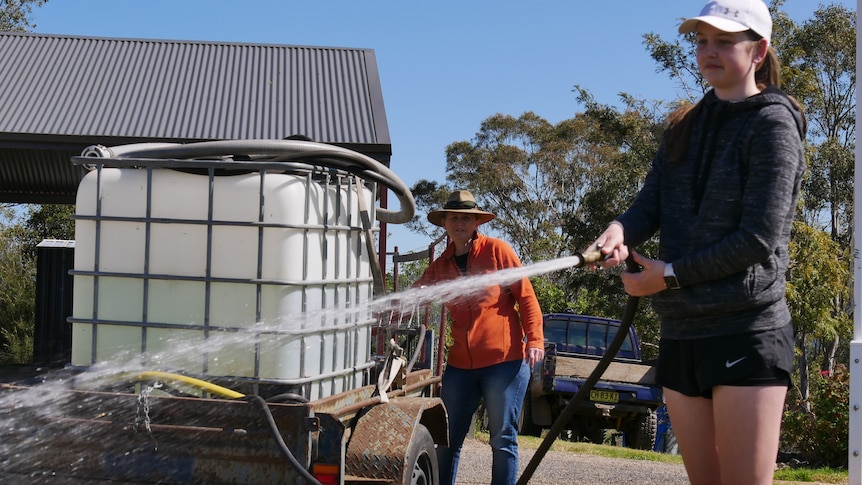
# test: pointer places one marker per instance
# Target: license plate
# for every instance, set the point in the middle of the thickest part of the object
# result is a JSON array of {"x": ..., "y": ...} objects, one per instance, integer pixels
[{"x": 604, "y": 396}]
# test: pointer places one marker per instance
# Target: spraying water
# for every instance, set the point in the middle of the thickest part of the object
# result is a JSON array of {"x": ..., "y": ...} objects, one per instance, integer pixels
[
  {"x": 467, "y": 286},
  {"x": 47, "y": 397}
]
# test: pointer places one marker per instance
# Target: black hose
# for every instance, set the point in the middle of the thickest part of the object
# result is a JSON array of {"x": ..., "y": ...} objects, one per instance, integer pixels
[
  {"x": 569, "y": 410},
  {"x": 267, "y": 414}
]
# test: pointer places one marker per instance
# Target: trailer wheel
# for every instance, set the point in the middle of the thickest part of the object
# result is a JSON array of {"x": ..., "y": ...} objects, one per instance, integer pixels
[{"x": 421, "y": 459}]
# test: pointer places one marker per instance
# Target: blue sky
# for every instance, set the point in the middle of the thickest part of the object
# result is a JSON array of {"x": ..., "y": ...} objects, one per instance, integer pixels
[{"x": 445, "y": 65}]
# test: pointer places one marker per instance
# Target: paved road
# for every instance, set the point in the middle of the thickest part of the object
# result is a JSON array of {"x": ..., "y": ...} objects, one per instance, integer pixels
[{"x": 561, "y": 467}]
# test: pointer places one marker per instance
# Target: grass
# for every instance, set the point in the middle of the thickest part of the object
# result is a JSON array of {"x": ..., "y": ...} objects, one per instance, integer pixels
[
  {"x": 783, "y": 475},
  {"x": 807, "y": 475}
]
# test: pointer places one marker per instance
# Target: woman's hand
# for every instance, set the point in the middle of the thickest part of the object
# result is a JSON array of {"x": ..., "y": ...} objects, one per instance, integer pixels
[
  {"x": 534, "y": 356},
  {"x": 610, "y": 243},
  {"x": 648, "y": 281}
]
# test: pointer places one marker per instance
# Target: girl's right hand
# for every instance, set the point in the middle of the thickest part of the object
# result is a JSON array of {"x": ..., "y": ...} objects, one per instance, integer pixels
[{"x": 610, "y": 243}]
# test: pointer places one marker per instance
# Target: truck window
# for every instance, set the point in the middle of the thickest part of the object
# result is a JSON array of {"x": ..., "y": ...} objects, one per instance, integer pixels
[
  {"x": 598, "y": 336},
  {"x": 577, "y": 334},
  {"x": 555, "y": 331},
  {"x": 591, "y": 336},
  {"x": 627, "y": 346}
]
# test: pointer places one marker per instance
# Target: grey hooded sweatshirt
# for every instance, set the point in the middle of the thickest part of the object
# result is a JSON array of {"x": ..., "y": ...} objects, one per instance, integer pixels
[{"x": 724, "y": 216}]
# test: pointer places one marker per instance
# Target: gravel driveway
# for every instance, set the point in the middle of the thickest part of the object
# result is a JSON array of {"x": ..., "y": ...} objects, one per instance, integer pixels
[{"x": 559, "y": 467}]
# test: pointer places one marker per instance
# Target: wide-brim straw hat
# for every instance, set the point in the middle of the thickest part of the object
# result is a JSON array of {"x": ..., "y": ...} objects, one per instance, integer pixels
[{"x": 461, "y": 201}]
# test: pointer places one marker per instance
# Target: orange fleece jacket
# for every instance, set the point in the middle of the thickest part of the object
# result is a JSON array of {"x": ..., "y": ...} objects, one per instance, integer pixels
[{"x": 489, "y": 325}]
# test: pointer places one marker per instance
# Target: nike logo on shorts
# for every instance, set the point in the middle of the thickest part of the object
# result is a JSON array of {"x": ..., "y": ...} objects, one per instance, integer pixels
[{"x": 730, "y": 363}]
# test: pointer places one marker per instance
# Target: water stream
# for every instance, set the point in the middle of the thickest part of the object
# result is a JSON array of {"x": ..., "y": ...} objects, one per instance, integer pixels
[{"x": 46, "y": 396}]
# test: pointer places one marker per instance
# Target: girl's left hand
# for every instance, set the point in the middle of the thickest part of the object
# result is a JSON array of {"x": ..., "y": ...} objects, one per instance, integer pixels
[{"x": 650, "y": 279}]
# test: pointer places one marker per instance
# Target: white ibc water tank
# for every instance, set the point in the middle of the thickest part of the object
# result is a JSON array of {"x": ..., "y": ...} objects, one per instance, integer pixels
[{"x": 258, "y": 276}]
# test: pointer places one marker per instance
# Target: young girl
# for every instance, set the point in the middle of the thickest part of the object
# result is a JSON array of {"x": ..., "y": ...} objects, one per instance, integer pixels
[{"x": 722, "y": 194}]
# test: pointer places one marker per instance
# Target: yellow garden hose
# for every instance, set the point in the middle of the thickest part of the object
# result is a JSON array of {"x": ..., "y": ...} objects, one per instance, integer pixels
[{"x": 169, "y": 378}]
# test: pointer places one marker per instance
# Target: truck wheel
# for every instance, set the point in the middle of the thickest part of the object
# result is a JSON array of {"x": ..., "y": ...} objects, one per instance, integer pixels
[
  {"x": 480, "y": 419},
  {"x": 640, "y": 434},
  {"x": 526, "y": 426},
  {"x": 421, "y": 459},
  {"x": 596, "y": 436}
]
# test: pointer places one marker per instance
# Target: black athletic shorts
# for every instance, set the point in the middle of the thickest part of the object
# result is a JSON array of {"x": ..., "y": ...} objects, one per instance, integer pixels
[{"x": 694, "y": 367}]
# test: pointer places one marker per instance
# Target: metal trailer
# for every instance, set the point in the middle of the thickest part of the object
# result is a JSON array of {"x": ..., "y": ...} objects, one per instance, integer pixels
[
  {"x": 331, "y": 410},
  {"x": 125, "y": 437}
]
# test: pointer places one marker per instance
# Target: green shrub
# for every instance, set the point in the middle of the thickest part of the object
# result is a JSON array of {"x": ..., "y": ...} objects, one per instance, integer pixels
[{"x": 821, "y": 434}]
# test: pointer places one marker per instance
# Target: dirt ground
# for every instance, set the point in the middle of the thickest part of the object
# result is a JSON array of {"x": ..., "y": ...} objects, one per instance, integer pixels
[{"x": 562, "y": 467}]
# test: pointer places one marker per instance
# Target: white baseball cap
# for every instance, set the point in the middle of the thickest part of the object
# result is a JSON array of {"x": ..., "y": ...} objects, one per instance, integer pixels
[{"x": 733, "y": 16}]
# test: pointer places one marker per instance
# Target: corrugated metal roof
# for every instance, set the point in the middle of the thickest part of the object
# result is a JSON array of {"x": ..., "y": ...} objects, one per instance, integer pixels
[{"x": 62, "y": 93}]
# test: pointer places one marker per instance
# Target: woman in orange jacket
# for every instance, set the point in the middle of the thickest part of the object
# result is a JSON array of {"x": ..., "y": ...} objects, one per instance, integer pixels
[{"x": 496, "y": 338}]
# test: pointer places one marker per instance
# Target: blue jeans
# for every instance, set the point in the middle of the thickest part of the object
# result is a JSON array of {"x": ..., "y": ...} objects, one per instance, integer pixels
[{"x": 502, "y": 386}]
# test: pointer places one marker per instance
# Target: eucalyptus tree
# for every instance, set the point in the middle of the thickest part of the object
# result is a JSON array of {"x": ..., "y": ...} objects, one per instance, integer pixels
[
  {"x": 818, "y": 269},
  {"x": 626, "y": 140},
  {"x": 528, "y": 172},
  {"x": 554, "y": 187},
  {"x": 820, "y": 60},
  {"x": 819, "y": 56},
  {"x": 15, "y": 15}
]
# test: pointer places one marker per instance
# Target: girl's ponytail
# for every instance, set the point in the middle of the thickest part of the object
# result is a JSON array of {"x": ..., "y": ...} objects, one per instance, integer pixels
[{"x": 769, "y": 71}]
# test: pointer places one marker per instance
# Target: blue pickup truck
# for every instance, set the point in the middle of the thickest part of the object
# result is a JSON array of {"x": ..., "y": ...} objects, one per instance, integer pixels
[{"x": 625, "y": 398}]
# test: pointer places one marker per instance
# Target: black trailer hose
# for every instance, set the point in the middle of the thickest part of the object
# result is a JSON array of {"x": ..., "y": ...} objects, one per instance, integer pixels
[
  {"x": 607, "y": 357},
  {"x": 276, "y": 434}
]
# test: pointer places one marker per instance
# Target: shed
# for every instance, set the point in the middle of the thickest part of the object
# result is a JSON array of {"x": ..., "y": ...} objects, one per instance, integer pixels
[{"x": 62, "y": 93}]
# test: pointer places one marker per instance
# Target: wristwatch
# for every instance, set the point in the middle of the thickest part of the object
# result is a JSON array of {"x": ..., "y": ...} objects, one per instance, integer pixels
[{"x": 670, "y": 277}]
